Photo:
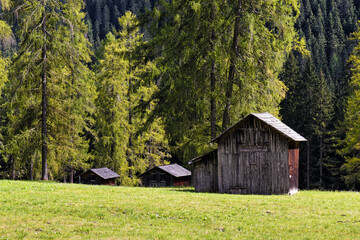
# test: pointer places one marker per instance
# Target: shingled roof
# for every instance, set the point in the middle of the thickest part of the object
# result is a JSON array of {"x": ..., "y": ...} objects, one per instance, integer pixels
[
  {"x": 172, "y": 169},
  {"x": 272, "y": 122},
  {"x": 175, "y": 170},
  {"x": 104, "y": 173}
]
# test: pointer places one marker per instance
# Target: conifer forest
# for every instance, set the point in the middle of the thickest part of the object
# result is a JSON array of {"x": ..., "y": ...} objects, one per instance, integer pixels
[{"x": 132, "y": 84}]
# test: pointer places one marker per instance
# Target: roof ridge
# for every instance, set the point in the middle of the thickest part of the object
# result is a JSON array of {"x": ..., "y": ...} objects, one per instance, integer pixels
[{"x": 271, "y": 121}]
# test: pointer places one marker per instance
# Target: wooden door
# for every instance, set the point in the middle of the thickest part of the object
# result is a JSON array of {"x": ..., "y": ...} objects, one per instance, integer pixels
[{"x": 293, "y": 170}]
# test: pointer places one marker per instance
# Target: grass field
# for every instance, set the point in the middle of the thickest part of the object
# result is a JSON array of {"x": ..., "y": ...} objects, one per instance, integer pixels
[{"x": 37, "y": 210}]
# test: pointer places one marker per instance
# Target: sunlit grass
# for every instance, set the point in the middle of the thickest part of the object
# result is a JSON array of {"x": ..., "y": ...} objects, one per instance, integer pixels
[{"x": 37, "y": 210}]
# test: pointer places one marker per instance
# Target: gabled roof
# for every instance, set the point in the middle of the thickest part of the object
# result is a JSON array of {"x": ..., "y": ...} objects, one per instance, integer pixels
[
  {"x": 175, "y": 170},
  {"x": 272, "y": 122},
  {"x": 104, "y": 173},
  {"x": 172, "y": 169},
  {"x": 199, "y": 158}
]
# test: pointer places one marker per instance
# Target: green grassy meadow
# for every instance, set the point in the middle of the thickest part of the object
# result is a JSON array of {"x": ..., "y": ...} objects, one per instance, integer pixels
[{"x": 38, "y": 210}]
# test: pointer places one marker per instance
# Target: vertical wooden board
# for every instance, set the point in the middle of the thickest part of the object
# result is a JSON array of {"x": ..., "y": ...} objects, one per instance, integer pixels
[
  {"x": 274, "y": 173},
  {"x": 215, "y": 177},
  {"x": 240, "y": 181},
  {"x": 247, "y": 172},
  {"x": 264, "y": 174},
  {"x": 293, "y": 156},
  {"x": 285, "y": 172},
  {"x": 227, "y": 172},
  {"x": 261, "y": 174},
  {"x": 254, "y": 173},
  {"x": 220, "y": 160},
  {"x": 281, "y": 174}
]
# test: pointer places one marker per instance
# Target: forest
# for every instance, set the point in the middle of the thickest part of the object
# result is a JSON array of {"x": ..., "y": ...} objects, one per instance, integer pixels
[{"x": 131, "y": 84}]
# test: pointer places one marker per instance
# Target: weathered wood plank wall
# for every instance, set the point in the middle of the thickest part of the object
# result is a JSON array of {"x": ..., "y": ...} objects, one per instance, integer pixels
[
  {"x": 205, "y": 173},
  {"x": 253, "y": 159}
]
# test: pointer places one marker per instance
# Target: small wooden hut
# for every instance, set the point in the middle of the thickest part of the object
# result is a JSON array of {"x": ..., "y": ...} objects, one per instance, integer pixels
[
  {"x": 204, "y": 172},
  {"x": 165, "y": 176},
  {"x": 257, "y": 155},
  {"x": 99, "y": 176}
]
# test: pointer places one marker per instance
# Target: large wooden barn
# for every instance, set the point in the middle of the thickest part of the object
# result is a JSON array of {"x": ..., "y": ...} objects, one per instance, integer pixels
[
  {"x": 257, "y": 155},
  {"x": 166, "y": 175},
  {"x": 99, "y": 176}
]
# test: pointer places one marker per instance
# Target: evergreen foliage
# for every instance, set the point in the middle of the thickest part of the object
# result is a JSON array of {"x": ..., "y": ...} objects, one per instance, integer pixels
[
  {"x": 205, "y": 65},
  {"x": 245, "y": 54},
  {"x": 121, "y": 87},
  {"x": 307, "y": 109},
  {"x": 104, "y": 14},
  {"x": 5, "y": 32},
  {"x": 351, "y": 142},
  {"x": 50, "y": 87}
]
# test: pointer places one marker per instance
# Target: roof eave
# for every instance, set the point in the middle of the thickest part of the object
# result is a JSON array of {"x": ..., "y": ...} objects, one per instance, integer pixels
[{"x": 302, "y": 139}]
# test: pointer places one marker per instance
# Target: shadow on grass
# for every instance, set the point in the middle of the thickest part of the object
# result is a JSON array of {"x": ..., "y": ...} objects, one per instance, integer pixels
[
  {"x": 189, "y": 190},
  {"x": 182, "y": 189}
]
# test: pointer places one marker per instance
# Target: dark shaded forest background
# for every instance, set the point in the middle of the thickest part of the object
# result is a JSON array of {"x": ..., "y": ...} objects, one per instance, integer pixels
[{"x": 315, "y": 105}]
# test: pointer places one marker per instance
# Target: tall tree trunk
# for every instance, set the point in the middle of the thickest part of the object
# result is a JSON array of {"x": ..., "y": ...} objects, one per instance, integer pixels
[
  {"x": 321, "y": 162},
  {"x": 308, "y": 164},
  {"x": 44, "y": 175},
  {"x": 213, "y": 79},
  {"x": 130, "y": 115},
  {"x": 65, "y": 175},
  {"x": 230, "y": 82},
  {"x": 13, "y": 172},
  {"x": 71, "y": 174},
  {"x": 151, "y": 165},
  {"x": 31, "y": 169}
]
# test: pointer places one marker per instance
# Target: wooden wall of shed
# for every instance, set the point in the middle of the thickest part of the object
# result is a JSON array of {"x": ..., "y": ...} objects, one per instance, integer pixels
[
  {"x": 205, "y": 174},
  {"x": 94, "y": 179},
  {"x": 253, "y": 159},
  {"x": 157, "y": 178}
]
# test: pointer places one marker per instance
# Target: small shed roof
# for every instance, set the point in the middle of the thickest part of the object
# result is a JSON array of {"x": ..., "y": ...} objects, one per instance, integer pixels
[
  {"x": 173, "y": 169},
  {"x": 271, "y": 121},
  {"x": 194, "y": 160},
  {"x": 104, "y": 173}
]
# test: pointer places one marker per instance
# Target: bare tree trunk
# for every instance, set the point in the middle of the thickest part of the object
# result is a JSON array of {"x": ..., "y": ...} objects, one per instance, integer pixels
[
  {"x": 130, "y": 115},
  {"x": 71, "y": 174},
  {"x": 13, "y": 172},
  {"x": 213, "y": 80},
  {"x": 31, "y": 169},
  {"x": 44, "y": 175},
  {"x": 321, "y": 163},
  {"x": 308, "y": 164},
  {"x": 229, "y": 87}
]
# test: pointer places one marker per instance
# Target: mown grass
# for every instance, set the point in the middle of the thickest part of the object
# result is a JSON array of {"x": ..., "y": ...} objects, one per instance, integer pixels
[{"x": 38, "y": 210}]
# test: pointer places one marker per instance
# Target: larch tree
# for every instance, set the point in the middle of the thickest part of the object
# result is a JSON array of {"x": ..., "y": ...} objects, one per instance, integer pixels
[
  {"x": 51, "y": 85},
  {"x": 5, "y": 32},
  {"x": 219, "y": 60},
  {"x": 124, "y": 142},
  {"x": 351, "y": 143}
]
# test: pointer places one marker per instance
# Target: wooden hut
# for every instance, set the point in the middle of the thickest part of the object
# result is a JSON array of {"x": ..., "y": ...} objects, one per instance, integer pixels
[
  {"x": 257, "y": 155},
  {"x": 204, "y": 172},
  {"x": 99, "y": 176},
  {"x": 166, "y": 175}
]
